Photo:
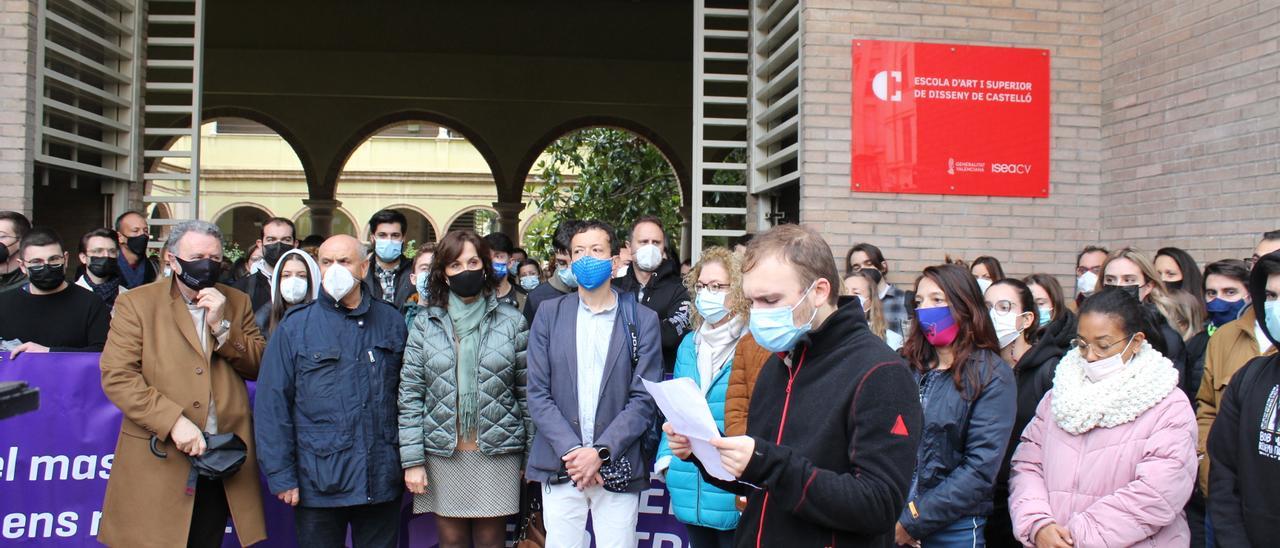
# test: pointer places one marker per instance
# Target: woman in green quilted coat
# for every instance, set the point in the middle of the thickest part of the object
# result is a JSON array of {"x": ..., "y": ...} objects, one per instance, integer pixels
[{"x": 464, "y": 427}]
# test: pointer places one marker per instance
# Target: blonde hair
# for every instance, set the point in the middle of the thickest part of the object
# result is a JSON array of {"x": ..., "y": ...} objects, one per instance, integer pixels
[
  {"x": 1159, "y": 295},
  {"x": 875, "y": 312},
  {"x": 735, "y": 301}
]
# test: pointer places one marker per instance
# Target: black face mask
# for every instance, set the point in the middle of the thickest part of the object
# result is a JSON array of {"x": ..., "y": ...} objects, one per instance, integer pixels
[
  {"x": 47, "y": 277},
  {"x": 104, "y": 267},
  {"x": 1174, "y": 286},
  {"x": 1132, "y": 290},
  {"x": 137, "y": 244},
  {"x": 271, "y": 253},
  {"x": 4, "y": 253},
  {"x": 467, "y": 283},
  {"x": 200, "y": 273}
]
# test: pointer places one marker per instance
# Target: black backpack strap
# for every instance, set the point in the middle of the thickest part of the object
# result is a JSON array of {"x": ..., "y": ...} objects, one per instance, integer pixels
[{"x": 627, "y": 306}]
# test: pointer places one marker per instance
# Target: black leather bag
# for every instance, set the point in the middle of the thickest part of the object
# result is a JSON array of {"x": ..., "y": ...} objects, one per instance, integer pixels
[{"x": 223, "y": 456}]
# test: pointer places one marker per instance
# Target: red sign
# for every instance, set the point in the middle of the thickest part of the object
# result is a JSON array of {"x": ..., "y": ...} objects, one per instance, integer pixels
[{"x": 950, "y": 119}]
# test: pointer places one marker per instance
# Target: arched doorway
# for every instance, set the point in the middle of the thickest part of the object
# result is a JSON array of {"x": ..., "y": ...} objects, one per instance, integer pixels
[
  {"x": 342, "y": 224},
  {"x": 424, "y": 169},
  {"x": 241, "y": 224},
  {"x": 601, "y": 172},
  {"x": 483, "y": 221}
]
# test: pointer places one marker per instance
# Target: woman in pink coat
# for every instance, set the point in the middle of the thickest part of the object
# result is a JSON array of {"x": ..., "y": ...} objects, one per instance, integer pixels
[{"x": 1110, "y": 457}]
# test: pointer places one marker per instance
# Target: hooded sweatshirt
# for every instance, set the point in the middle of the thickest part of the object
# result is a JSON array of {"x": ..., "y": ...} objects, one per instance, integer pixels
[
  {"x": 666, "y": 295},
  {"x": 1244, "y": 444},
  {"x": 262, "y": 314}
]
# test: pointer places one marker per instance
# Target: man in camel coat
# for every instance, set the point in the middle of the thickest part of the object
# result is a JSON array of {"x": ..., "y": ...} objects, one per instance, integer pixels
[{"x": 176, "y": 361}]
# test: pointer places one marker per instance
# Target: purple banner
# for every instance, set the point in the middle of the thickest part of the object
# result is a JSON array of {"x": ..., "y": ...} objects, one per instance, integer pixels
[{"x": 54, "y": 465}]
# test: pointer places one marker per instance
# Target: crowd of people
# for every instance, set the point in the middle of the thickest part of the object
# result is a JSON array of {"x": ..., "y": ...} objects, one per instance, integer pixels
[{"x": 969, "y": 408}]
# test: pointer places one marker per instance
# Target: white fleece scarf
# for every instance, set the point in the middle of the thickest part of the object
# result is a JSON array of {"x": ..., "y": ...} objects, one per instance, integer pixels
[
  {"x": 714, "y": 346},
  {"x": 1080, "y": 405}
]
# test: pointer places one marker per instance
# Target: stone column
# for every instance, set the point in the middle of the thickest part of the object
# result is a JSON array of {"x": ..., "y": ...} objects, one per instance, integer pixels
[
  {"x": 509, "y": 219},
  {"x": 321, "y": 211}
]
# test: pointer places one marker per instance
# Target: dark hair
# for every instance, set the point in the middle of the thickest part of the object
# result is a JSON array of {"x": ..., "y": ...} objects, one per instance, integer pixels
[
  {"x": 499, "y": 242},
  {"x": 120, "y": 219},
  {"x": 1235, "y": 269},
  {"x": 98, "y": 233},
  {"x": 975, "y": 329},
  {"x": 426, "y": 247},
  {"x": 21, "y": 225},
  {"x": 293, "y": 230},
  {"x": 1091, "y": 249},
  {"x": 991, "y": 264},
  {"x": 1134, "y": 316},
  {"x": 592, "y": 224},
  {"x": 564, "y": 235},
  {"x": 1192, "y": 281},
  {"x": 1027, "y": 302},
  {"x": 314, "y": 240},
  {"x": 521, "y": 251},
  {"x": 39, "y": 236},
  {"x": 278, "y": 306},
  {"x": 448, "y": 249},
  {"x": 1054, "y": 289},
  {"x": 1271, "y": 236},
  {"x": 387, "y": 216},
  {"x": 531, "y": 262},
  {"x": 647, "y": 219},
  {"x": 873, "y": 253}
]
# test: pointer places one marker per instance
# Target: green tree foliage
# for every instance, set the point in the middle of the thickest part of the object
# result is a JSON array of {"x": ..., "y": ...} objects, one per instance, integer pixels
[{"x": 620, "y": 177}]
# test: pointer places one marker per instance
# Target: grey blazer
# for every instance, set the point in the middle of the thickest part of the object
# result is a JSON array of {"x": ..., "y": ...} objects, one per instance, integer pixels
[{"x": 625, "y": 413}]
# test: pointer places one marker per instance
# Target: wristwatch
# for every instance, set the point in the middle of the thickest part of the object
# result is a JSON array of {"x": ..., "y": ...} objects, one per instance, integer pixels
[
  {"x": 223, "y": 327},
  {"x": 606, "y": 457}
]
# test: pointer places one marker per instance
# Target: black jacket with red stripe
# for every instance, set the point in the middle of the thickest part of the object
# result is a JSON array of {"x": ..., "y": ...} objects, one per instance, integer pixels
[{"x": 836, "y": 470}]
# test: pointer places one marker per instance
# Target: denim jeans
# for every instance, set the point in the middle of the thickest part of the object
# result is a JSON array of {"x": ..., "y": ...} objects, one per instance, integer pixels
[
  {"x": 964, "y": 532},
  {"x": 372, "y": 525},
  {"x": 706, "y": 537}
]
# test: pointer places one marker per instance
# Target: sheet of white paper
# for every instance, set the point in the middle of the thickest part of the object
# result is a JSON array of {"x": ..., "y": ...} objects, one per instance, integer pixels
[{"x": 685, "y": 408}]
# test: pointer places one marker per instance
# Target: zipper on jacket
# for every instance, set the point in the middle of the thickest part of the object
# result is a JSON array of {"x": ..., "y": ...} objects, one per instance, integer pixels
[{"x": 782, "y": 425}]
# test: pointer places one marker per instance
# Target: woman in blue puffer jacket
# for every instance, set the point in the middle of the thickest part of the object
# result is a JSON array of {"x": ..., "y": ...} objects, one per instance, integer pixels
[{"x": 706, "y": 356}]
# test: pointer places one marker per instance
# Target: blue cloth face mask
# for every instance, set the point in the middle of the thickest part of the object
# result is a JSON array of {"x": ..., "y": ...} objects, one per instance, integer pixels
[
  {"x": 1221, "y": 312},
  {"x": 592, "y": 272},
  {"x": 421, "y": 285},
  {"x": 567, "y": 278},
  {"x": 711, "y": 305},
  {"x": 1272, "y": 311},
  {"x": 775, "y": 330},
  {"x": 388, "y": 250},
  {"x": 500, "y": 269}
]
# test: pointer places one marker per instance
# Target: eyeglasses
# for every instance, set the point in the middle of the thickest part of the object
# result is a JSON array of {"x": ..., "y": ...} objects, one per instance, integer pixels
[
  {"x": 714, "y": 287},
  {"x": 1080, "y": 270},
  {"x": 1003, "y": 306},
  {"x": 41, "y": 263},
  {"x": 1098, "y": 350}
]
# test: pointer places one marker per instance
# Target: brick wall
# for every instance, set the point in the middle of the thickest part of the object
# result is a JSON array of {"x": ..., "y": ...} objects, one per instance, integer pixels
[
  {"x": 1026, "y": 235},
  {"x": 1191, "y": 131},
  {"x": 17, "y": 103}
]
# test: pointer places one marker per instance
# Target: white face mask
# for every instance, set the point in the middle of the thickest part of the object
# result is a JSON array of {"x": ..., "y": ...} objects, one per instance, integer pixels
[
  {"x": 1006, "y": 327},
  {"x": 648, "y": 257},
  {"x": 622, "y": 272},
  {"x": 294, "y": 289},
  {"x": 1106, "y": 367},
  {"x": 338, "y": 281},
  {"x": 983, "y": 285},
  {"x": 1086, "y": 282}
]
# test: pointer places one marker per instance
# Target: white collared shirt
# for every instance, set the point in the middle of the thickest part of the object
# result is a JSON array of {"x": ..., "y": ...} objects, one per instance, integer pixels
[{"x": 594, "y": 331}]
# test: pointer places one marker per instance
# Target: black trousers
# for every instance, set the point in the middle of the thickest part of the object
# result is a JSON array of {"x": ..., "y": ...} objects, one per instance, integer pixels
[
  {"x": 706, "y": 537},
  {"x": 209, "y": 517},
  {"x": 372, "y": 525}
]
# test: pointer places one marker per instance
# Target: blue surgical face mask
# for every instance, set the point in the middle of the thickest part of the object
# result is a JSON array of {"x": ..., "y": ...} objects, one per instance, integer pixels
[
  {"x": 529, "y": 283},
  {"x": 388, "y": 250},
  {"x": 1046, "y": 316},
  {"x": 567, "y": 278},
  {"x": 711, "y": 305},
  {"x": 775, "y": 330},
  {"x": 1221, "y": 312},
  {"x": 1272, "y": 311},
  {"x": 592, "y": 272},
  {"x": 500, "y": 269}
]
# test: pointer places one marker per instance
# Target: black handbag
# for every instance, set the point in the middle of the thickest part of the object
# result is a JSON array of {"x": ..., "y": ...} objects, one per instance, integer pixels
[{"x": 223, "y": 456}]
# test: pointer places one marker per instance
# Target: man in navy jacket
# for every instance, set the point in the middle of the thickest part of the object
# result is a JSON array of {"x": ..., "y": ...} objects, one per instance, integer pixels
[
  {"x": 592, "y": 413},
  {"x": 326, "y": 415}
]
